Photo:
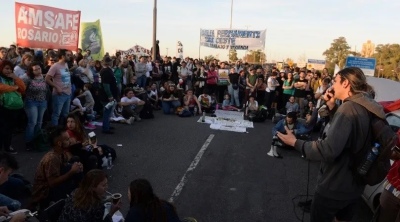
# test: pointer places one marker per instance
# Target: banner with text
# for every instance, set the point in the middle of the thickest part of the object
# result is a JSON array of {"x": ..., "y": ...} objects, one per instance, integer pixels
[
  {"x": 316, "y": 64},
  {"x": 179, "y": 50},
  {"x": 232, "y": 39},
  {"x": 39, "y": 26},
  {"x": 136, "y": 50},
  {"x": 92, "y": 39},
  {"x": 367, "y": 65}
]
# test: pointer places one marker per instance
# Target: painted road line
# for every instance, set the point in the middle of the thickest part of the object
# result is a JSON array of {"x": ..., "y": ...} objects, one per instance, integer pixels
[{"x": 191, "y": 168}]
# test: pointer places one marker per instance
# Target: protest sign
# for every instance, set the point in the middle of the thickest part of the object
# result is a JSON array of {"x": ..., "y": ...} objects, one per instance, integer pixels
[
  {"x": 179, "y": 50},
  {"x": 367, "y": 65},
  {"x": 39, "y": 26},
  {"x": 232, "y": 39},
  {"x": 223, "y": 76},
  {"x": 92, "y": 39},
  {"x": 136, "y": 50},
  {"x": 316, "y": 64}
]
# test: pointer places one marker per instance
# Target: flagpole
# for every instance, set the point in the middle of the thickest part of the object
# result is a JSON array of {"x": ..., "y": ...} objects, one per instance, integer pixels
[
  {"x": 199, "y": 43},
  {"x": 154, "y": 54}
]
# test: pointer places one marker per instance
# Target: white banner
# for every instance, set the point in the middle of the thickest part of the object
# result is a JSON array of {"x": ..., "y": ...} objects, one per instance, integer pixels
[
  {"x": 233, "y": 39},
  {"x": 179, "y": 50},
  {"x": 135, "y": 50},
  {"x": 316, "y": 64}
]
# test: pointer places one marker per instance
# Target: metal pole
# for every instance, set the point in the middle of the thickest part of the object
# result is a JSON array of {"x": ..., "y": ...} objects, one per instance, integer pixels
[
  {"x": 199, "y": 44},
  {"x": 231, "y": 14},
  {"x": 154, "y": 55}
]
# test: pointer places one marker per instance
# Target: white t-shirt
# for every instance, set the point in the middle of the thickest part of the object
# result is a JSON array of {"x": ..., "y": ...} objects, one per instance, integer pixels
[
  {"x": 271, "y": 84},
  {"x": 149, "y": 67},
  {"x": 133, "y": 99}
]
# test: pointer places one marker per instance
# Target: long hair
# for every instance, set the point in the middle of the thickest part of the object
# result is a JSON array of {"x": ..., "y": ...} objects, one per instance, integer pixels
[
  {"x": 85, "y": 195},
  {"x": 26, "y": 56},
  {"x": 78, "y": 131},
  {"x": 357, "y": 80},
  {"x": 142, "y": 195},
  {"x": 29, "y": 71}
]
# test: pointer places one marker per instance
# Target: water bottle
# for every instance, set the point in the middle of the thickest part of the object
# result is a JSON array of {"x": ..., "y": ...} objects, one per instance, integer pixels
[
  {"x": 371, "y": 157},
  {"x": 203, "y": 119},
  {"x": 195, "y": 110},
  {"x": 109, "y": 161}
]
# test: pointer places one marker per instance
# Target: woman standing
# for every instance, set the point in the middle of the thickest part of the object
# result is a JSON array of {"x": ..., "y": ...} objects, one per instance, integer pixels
[
  {"x": 10, "y": 86},
  {"x": 86, "y": 204},
  {"x": 35, "y": 102},
  {"x": 288, "y": 87},
  {"x": 233, "y": 87},
  {"x": 21, "y": 68}
]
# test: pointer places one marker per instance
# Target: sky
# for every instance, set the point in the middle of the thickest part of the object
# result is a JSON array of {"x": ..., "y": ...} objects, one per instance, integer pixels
[{"x": 296, "y": 29}]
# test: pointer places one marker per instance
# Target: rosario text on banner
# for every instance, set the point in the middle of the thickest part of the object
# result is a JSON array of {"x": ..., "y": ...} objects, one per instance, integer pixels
[
  {"x": 92, "y": 39},
  {"x": 232, "y": 39},
  {"x": 39, "y": 26}
]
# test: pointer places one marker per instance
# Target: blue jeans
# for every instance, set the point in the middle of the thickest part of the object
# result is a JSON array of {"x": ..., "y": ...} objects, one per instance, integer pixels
[
  {"x": 34, "y": 111},
  {"x": 141, "y": 81},
  {"x": 234, "y": 95},
  {"x": 61, "y": 106},
  {"x": 106, "y": 117},
  {"x": 11, "y": 204},
  {"x": 167, "y": 105}
]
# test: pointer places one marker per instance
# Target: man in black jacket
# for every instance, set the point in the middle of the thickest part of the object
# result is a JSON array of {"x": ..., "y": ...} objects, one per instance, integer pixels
[
  {"x": 338, "y": 189},
  {"x": 109, "y": 85}
]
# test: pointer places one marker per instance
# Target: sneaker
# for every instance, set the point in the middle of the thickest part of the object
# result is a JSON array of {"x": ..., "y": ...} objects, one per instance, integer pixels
[
  {"x": 11, "y": 150},
  {"x": 130, "y": 120},
  {"x": 90, "y": 126}
]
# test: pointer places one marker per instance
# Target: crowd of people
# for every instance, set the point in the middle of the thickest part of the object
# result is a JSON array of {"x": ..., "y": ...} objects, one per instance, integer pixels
[{"x": 70, "y": 91}]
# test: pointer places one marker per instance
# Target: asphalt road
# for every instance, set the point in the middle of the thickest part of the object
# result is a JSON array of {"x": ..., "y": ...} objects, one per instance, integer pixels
[{"x": 235, "y": 180}]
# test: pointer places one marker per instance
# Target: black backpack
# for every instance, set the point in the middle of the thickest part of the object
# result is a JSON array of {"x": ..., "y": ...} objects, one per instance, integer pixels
[{"x": 381, "y": 132}]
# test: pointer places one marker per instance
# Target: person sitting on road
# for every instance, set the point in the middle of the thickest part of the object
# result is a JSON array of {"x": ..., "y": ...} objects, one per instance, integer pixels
[
  {"x": 8, "y": 163},
  {"x": 292, "y": 106},
  {"x": 205, "y": 101},
  {"x": 78, "y": 144},
  {"x": 226, "y": 104},
  {"x": 131, "y": 106},
  {"x": 170, "y": 99},
  {"x": 146, "y": 206},
  {"x": 152, "y": 94},
  {"x": 290, "y": 121},
  {"x": 86, "y": 202},
  {"x": 251, "y": 106},
  {"x": 79, "y": 110},
  {"x": 190, "y": 101},
  {"x": 55, "y": 177}
]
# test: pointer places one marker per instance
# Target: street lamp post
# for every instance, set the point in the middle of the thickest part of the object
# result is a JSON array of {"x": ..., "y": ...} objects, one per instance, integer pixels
[{"x": 154, "y": 53}]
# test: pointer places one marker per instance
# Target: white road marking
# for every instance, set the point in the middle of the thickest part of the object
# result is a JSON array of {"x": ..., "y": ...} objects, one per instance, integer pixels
[{"x": 191, "y": 168}]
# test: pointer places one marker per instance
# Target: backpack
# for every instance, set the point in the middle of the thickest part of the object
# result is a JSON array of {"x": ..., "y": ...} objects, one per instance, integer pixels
[{"x": 382, "y": 134}]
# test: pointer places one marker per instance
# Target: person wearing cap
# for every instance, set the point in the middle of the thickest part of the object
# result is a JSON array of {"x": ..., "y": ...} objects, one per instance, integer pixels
[{"x": 110, "y": 93}]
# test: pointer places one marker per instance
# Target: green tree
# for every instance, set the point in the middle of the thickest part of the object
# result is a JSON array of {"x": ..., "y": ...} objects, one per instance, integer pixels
[
  {"x": 209, "y": 58},
  {"x": 338, "y": 52},
  {"x": 233, "y": 55},
  {"x": 387, "y": 58},
  {"x": 255, "y": 57}
]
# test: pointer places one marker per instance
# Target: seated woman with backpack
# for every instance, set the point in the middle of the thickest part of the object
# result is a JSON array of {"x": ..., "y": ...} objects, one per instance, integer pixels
[
  {"x": 251, "y": 106},
  {"x": 90, "y": 154}
]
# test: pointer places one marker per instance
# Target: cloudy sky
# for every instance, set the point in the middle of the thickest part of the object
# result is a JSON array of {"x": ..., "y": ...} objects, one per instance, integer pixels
[{"x": 295, "y": 29}]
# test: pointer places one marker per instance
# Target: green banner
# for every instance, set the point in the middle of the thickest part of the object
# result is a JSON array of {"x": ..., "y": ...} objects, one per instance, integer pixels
[{"x": 92, "y": 39}]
